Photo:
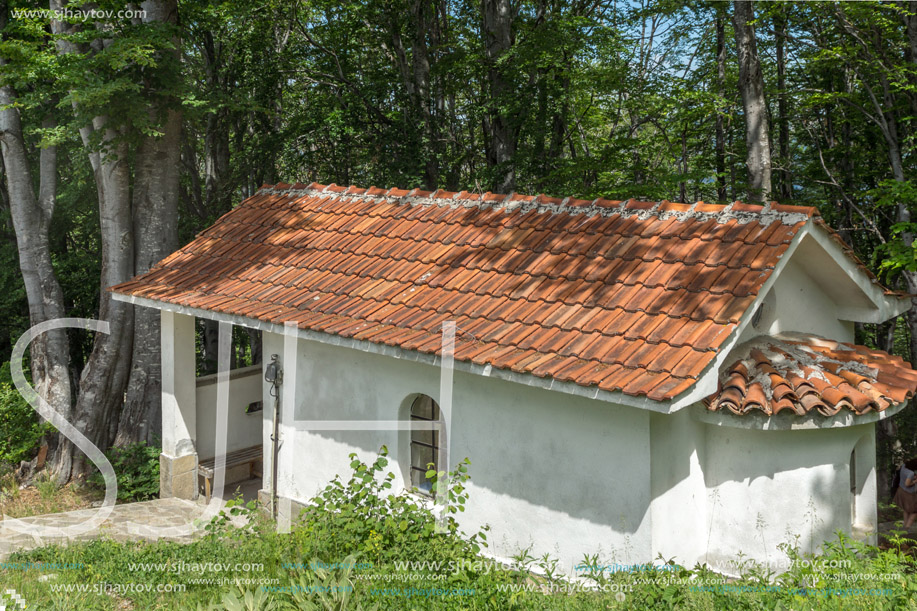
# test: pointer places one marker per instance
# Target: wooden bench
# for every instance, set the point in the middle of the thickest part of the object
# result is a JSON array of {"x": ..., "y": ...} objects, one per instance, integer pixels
[{"x": 246, "y": 456}]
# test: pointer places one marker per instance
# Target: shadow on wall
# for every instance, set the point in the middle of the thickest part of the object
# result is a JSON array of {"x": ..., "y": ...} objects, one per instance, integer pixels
[
  {"x": 586, "y": 460},
  {"x": 570, "y": 455},
  {"x": 770, "y": 487}
]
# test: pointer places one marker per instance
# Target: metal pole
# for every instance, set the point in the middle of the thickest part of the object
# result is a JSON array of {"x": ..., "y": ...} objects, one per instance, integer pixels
[{"x": 274, "y": 448}]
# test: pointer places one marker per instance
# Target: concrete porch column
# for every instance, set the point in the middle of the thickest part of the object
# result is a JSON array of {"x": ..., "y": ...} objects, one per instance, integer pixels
[
  {"x": 864, "y": 512},
  {"x": 178, "y": 461}
]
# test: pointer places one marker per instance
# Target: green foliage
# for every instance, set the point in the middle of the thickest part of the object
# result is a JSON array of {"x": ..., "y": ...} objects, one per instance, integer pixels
[
  {"x": 326, "y": 590},
  {"x": 137, "y": 469},
  {"x": 364, "y": 516},
  {"x": 900, "y": 253},
  {"x": 14, "y": 319},
  {"x": 247, "y": 600},
  {"x": 20, "y": 428}
]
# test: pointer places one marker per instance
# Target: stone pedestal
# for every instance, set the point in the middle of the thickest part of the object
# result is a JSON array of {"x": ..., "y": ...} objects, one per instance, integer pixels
[{"x": 178, "y": 477}]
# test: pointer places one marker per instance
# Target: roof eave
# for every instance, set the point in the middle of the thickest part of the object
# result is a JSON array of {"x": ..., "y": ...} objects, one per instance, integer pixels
[
  {"x": 885, "y": 305},
  {"x": 759, "y": 421},
  {"x": 547, "y": 383}
]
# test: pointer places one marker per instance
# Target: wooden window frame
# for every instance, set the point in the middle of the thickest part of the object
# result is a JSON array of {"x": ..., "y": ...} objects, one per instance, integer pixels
[{"x": 414, "y": 443}]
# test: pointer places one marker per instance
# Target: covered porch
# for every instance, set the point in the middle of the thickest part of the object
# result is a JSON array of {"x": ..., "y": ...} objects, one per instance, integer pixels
[{"x": 191, "y": 441}]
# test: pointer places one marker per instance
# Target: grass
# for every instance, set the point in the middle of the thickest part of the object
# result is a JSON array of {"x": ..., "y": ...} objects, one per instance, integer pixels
[
  {"x": 110, "y": 574},
  {"x": 348, "y": 549}
]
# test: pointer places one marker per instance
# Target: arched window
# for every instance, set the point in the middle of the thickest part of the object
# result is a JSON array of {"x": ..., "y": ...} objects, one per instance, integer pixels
[{"x": 424, "y": 443}]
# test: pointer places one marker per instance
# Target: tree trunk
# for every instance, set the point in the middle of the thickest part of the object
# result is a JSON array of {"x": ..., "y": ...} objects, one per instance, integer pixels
[
  {"x": 31, "y": 216},
  {"x": 106, "y": 373},
  {"x": 751, "y": 86},
  {"x": 720, "y": 136},
  {"x": 424, "y": 24},
  {"x": 498, "y": 38},
  {"x": 683, "y": 186},
  {"x": 209, "y": 345},
  {"x": 254, "y": 340},
  {"x": 216, "y": 164},
  {"x": 155, "y": 224},
  {"x": 104, "y": 378},
  {"x": 216, "y": 135},
  {"x": 415, "y": 76},
  {"x": 155, "y": 204},
  {"x": 783, "y": 134}
]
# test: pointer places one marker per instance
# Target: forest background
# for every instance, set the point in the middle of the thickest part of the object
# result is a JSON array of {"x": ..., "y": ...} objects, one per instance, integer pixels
[{"x": 127, "y": 128}]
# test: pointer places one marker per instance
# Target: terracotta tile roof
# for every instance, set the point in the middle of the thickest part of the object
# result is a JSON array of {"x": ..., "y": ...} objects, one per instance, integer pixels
[
  {"x": 627, "y": 296},
  {"x": 801, "y": 373}
]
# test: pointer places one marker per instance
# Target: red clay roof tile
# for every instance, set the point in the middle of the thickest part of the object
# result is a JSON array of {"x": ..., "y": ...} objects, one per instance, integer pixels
[
  {"x": 571, "y": 290},
  {"x": 805, "y": 373}
]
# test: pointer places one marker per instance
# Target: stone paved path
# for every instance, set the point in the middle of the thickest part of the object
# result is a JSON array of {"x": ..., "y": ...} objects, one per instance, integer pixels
[
  {"x": 126, "y": 522},
  {"x": 146, "y": 520}
]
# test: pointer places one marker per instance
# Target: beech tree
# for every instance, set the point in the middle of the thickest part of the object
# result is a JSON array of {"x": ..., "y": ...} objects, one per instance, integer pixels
[
  {"x": 497, "y": 30},
  {"x": 32, "y": 215},
  {"x": 154, "y": 205},
  {"x": 131, "y": 115},
  {"x": 751, "y": 86}
]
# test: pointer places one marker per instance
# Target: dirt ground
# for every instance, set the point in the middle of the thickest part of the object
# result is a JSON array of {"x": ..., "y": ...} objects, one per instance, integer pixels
[{"x": 44, "y": 498}]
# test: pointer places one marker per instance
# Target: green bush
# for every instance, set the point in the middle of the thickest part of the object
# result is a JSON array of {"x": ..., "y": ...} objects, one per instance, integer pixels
[
  {"x": 20, "y": 428},
  {"x": 137, "y": 469},
  {"x": 362, "y": 516}
]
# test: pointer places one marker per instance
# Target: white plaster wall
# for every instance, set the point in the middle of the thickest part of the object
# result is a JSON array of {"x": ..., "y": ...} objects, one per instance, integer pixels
[
  {"x": 765, "y": 487},
  {"x": 678, "y": 488},
  {"x": 800, "y": 305},
  {"x": 570, "y": 476},
  {"x": 565, "y": 475},
  {"x": 243, "y": 430}
]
